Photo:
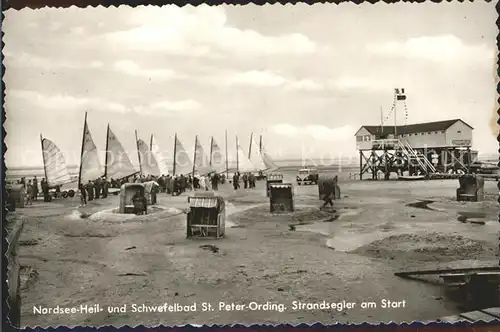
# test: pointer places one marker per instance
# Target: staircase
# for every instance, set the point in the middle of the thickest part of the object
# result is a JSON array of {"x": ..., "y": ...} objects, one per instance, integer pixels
[{"x": 413, "y": 155}]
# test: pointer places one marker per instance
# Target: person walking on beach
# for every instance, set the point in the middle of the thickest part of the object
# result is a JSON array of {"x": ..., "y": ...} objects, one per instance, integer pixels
[
  {"x": 245, "y": 180},
  {"x": 236, "y": 181},
  {"x": 83, "y": 195},
  {"x": 215, "y": 181}
]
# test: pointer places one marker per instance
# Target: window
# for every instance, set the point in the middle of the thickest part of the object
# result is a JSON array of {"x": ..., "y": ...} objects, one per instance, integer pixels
[
  {"x": 459, "y": 131},
  {"x": 421, "y": 133},
  {"x": 359, "y": 138}
]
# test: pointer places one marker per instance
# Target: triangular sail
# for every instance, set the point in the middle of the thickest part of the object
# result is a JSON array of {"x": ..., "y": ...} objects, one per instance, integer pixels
[
  {"x": 201, "y": 160},
  {"x": 182, "y": 160},
  {"x": 56, "y": 171},
  {"x": 118, "y": 164},
  {"x": 217, "y": 158},
  {"x": 244, "y": 164},
  {"x": 160, "y": 157},
  {"x": 256, "y": 157},
  {"x": 90, "y": 166},
  {"x": 149, "y": 165}
]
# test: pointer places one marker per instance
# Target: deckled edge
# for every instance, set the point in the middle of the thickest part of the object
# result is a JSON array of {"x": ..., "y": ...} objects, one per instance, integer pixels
[
  {"x": 141, "y": 327},
  {"x": 6, "y": 326},
  {"x": 58, "y": 4},
  {"x": 5, "y": 307}
]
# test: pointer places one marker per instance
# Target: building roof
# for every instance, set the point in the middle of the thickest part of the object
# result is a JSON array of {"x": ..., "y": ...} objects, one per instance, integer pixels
[{"x": 413, "y": 128}]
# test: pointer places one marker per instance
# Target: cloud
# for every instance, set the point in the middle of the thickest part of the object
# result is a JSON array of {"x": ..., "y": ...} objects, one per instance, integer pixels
[
  {"x": 131, "y": 68},
  {"x": 266, "y": 78},
  {"x": 27, "y": 60},
  {"x": 353, "y": 83},
  {"x": 70, "y": 103},
  {"x": 199, "y": 31},
  {"x": 317, "y": 132},
  {"x": 63, "y": 102},
  {"x": 442, "y": 48}
]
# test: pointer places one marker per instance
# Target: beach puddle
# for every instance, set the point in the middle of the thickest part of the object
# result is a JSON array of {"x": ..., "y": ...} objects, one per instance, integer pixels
[
  {"x": 155, "y": 212},
  {"x": 424, "y": 246}
]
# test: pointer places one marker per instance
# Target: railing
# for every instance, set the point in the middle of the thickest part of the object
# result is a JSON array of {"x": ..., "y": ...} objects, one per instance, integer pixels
[{"x": 426, "y": 163}]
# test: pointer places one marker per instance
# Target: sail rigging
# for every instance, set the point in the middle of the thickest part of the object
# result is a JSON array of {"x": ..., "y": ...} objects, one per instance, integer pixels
[
  {"x": 182, "y": 161},
  {"x": 160, "y": 157},
  {"x": 54, "y": 164},
  {"x": 255, "y": 155},
  {"x": 90, "y": 166},
  {"x": 118, "y": 164},
  {"x": 147, "y": 161}
]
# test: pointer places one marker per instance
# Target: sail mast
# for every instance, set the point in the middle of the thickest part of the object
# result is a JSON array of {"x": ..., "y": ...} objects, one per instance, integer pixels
[
  {"x": 211, "y": 148},
  {"x": 81, "y": 153},
  {"x": 43, "y": 159},
  {"x": 237, "y": 156},
  {"x": 106, "y": 156},
  {"x": 194, "y": 157},
  {"x": 250, "y": 147},
  {"x": 260, "y": 144},
  {"x": 227, "y": 162},
  {"x": 175, "y": 153},
  {"x": 138, "y": 153},
  {"x": 151, "y": 143}
]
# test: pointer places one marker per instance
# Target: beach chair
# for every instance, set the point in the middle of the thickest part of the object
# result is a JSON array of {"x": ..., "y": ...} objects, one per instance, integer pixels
[
  {"x": 328, "y": 186},
  {"x": 471, "y": 188},
  {"x": 273, "y": 178},
  {"x": 127, "y": 191},
  {"x": 281, "y": 198},
  {"x": 206, "y": 217}
]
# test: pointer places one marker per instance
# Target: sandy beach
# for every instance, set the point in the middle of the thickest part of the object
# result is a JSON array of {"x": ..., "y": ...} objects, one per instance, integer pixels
[{"x": 343, "y": 256}]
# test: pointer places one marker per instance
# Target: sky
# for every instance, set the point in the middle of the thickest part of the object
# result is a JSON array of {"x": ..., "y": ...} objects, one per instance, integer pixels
[{"x": 305, "y": 77}]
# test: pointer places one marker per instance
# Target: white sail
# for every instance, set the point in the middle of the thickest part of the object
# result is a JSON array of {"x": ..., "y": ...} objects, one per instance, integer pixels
[
  {"x": 244, "y": 164},
  {"x": 54, "y": 163},
  {"x": 256, "y": 157},
  {"x": 118, "y": 164},
  {"x": 149, "y": 165},
  {"x": 217, "y": 158},
  {"x": 90, "y": 166},
  {"x": 160, "y": 157},
  {"x": 201, "y": 160},
  {"x": 182, "y": 161}
]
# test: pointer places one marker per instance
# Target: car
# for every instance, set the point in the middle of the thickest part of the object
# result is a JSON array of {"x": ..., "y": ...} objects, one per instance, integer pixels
[{"x": 307, "y": 176}]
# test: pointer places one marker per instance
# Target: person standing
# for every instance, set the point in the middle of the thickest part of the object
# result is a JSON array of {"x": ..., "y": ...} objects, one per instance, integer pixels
[
  {"x": 29, "y": 193},
  {"x": 90, "y": 191},
  {"x": 97, "y": 188},
  {"x": 105, "y": 187},
  {"x": 236, "y": 180},
  {"x": 45, "y": 190},
  {"x": 245, "y": 180},
  {"x": 35, "y": 188},
  {"x": 215, "y": 181}
]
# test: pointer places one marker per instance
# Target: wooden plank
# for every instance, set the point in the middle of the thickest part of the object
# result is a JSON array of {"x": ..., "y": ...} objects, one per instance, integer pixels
[
  {"x": 475, "y": 316},
  {"x": 495, "y": 312}
]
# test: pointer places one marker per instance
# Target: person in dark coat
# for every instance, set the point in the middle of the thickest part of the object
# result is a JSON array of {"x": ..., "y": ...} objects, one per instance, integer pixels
[
  {"x": 236, "y": 180},
  {"x": 245, "y": 180},
  {"x": 196, "y": 183},
  {"x": 90, "y": 191},
  {"x": 35, "y": 188},
  {"x": 97, "y": 188},
  {"x": 175, "y": 186},
  {"x": 215, "y": 181},
  {"x": 168, "y": 184},
  {"x": 83, "y": 195},
  {"x": 45, "y": 190},
  {"x": 140, "y": 203},
  {"x": 105, "y": 187}
]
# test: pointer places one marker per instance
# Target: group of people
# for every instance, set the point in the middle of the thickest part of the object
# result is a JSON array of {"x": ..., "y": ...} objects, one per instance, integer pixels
[
  {"x": 99, "y": 188},
  {"x": 31, "y": 188},
  {"x": 247, "y": 178}
]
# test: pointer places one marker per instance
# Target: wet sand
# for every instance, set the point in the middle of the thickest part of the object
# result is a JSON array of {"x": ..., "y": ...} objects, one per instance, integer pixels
[{"x": 351, "y": 254}]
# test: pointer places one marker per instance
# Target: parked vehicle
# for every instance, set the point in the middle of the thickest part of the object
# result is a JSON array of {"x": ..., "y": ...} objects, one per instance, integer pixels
[{"x": 307, "y": 176}]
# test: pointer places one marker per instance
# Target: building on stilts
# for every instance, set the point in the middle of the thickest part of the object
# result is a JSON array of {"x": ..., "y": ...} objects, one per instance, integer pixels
[{"x": 430, "y": 150}]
